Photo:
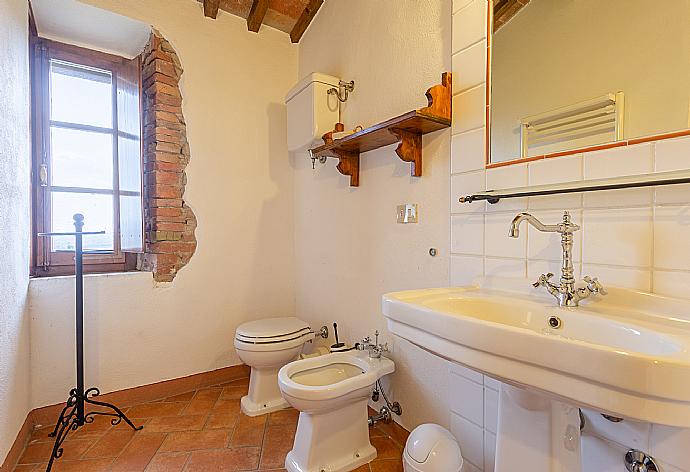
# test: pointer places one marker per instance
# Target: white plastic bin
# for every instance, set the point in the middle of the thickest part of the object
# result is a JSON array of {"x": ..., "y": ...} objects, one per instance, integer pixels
[{"x": 431, "y": 448}]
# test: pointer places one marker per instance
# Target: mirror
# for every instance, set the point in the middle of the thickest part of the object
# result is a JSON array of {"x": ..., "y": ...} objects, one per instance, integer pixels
[{"x": 571, "y": 74}]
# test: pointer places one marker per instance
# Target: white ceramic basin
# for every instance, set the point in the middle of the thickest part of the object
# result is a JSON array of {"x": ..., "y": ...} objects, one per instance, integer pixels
[{"x": 626, "y": 354}]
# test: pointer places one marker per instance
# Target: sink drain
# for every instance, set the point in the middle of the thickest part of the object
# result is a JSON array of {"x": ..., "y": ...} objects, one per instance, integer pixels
[{"x": 555, "y": 322}]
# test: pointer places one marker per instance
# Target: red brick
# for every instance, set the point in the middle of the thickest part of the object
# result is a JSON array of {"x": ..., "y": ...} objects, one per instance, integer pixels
[
  {"x": 162, "y": 226},
  {"x": 165, "y": 191}
]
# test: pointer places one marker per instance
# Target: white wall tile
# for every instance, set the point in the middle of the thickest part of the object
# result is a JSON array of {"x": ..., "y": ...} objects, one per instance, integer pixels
[
  {"x": 470, "y": 437},
  {"x": 463, "y": 185},
  {"x": 458, "y": 4},
  {"x": 622, "y": 277},
  {"x": 497, "y": 241},
  {"x": 600, "y": 455},
  {"x": 469, "y": 110},
  {"x": 463, "y": 371},
  {"x": 490, "y": 409},
  {"x": 617, "y": 236},
  {"x": 631, "y": 434},
  {"x": 504, "y": 267},
  {"x": 465, "y": 269},
  {"x": 469, "y": 25},
  {"x": 537, "y": 268},
  {"x": 672, "y": 154},
  {"x": 503, "y": 178},
  {"x": 670, "y": 445},
  {"x": 493, "y": 384},
  {"x": 468, "y": 467},
  {"x": 467, "y": 234},
  {"x": 628, "y": 160},
  {"x": 547, "y": 246},
  {"x": 469, "y": 67},
  {"x": 467, "y": 399},
  {"x": 489, "y": 451},
  {"x": 468, "y": 151},
  {"x": 672, "y": 238},
  {"x": 671, "y": 284},
  {"x": 554, "y": 171}
]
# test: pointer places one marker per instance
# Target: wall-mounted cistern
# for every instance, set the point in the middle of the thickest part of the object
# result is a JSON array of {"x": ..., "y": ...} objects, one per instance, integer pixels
[{"x": 565, "y": 292}]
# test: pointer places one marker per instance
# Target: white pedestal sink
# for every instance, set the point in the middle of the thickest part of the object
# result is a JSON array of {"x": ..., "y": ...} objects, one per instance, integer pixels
[{"x": 626, "y": 354}]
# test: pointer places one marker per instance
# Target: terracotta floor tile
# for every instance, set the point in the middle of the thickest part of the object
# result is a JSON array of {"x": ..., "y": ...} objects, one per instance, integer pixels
[
  {"x": 149, "y": 410},
  {"x": 249, "y": 431},
  {"x": 138, "y": 452},
  {"x": 221, "y": 420},
  {"x": 218, "y": 438},
  {"x": 168, "y": 462},
  {"x": 287, "y": 416},
  {"x": 278, "y": 441},
  {"x": 233, "y": 392},
  {"x": 390, "y": 465},
  {"x": 182, "y": 397},
  {"x": 241, "y": 458},
  {"x": 169, "y": 424},
  {"x": 111, "y": 444},
  {"x": 87, "y": 465},
  {"x": 40, "y": 434},
  {"x": 26, "y": 468},
  {"x": 386, "y": 448},
  {"x": 243, "y": 382},
  {"x": 40, "y": 452},
  {"x": 362, "y": 468},
  {"x": 203, "y": 401},
  {"x": 194, "y": 440},
  {"x": 227, "y": 406}
]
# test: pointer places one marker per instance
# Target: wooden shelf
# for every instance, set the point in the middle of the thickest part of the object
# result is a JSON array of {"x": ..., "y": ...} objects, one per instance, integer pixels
[{"x": 406, "y": 129}]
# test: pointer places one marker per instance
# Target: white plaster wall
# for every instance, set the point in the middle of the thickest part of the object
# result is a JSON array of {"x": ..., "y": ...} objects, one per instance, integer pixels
[
  {"x": 630, "y": 238},
  {"x": 348, "y": 248},
  {"x": 14, "y": 220},
  {"x": 240, "y": 185}
]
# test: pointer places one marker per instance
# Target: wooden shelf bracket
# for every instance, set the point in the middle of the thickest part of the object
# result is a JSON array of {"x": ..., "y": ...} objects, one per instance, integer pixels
[
  {"x": 348, "y": 164},
  {"x": 406, "y": 130}
]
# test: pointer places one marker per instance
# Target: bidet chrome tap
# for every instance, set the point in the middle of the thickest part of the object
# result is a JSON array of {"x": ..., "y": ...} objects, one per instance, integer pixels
[{"x": 565, "y": 293}]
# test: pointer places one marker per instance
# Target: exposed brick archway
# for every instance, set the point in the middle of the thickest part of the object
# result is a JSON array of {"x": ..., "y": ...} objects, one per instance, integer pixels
[{"x": 169, "y": 223}]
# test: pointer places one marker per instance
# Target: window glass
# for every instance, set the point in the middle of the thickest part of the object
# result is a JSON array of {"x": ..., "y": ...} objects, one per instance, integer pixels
[
  {"x": 81, "y": 159},
  {"x": 81, "y": 95},
  {"x": 98, "y": 216}
]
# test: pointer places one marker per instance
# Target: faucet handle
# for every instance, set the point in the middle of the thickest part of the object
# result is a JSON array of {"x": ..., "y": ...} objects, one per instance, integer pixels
[
  {"x": 542, "y": 280},
  {"x": 594, "y": 285}
]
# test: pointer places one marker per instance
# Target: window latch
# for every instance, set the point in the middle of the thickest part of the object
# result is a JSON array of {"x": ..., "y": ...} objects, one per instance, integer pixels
[{"x": 43, "y": 175}]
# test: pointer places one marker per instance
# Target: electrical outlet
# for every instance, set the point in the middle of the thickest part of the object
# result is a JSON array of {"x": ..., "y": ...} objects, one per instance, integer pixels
[{"x": 408, "y": 213}]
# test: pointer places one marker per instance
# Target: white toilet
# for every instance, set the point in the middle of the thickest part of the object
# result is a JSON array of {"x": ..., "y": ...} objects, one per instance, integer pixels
[
  {"x": 331, "y": 392},
  {"x": 266, "y": 346}
]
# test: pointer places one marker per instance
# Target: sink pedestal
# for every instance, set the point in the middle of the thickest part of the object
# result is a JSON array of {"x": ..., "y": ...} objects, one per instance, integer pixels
[{"x": 536, "y": 433}]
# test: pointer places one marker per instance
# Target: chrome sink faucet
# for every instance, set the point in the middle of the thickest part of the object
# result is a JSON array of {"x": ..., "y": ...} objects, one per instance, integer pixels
[{"x": 565, "y": 292}]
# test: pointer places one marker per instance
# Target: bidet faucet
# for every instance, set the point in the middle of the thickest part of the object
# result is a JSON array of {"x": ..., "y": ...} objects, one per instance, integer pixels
[{"x": 565, "y": 293}]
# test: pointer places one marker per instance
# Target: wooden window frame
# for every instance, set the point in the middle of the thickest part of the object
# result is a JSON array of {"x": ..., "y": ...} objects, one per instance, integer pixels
[{"x": 44, "y": 261}]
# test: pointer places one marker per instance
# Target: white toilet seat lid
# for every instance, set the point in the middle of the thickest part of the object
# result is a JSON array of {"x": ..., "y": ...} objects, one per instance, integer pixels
[{"x": 272, "y": 329}]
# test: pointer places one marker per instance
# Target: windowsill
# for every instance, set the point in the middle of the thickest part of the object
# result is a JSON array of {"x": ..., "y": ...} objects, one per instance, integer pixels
[{"x": 131, "y": 273}]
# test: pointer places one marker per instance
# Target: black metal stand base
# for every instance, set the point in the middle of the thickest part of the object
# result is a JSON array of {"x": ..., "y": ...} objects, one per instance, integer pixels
[{"x": 73, "y": 416}]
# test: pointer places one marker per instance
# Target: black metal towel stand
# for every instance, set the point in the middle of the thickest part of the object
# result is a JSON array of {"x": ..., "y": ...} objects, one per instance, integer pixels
[{"x": 74, "y": 413}]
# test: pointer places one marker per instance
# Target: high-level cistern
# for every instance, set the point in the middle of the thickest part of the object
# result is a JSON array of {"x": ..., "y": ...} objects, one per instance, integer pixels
[{"x": 565, "y": 292}]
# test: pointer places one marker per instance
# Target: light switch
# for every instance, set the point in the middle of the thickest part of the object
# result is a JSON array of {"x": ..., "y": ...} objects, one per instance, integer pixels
[{"x": 407, "y": 213}]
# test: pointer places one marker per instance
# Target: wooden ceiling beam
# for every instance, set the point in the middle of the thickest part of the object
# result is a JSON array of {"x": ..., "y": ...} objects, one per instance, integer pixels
[
  {"x": 211, "y": 8},
  {"x": 304, "y": 20},
  {"x": 256, "y": 15}
]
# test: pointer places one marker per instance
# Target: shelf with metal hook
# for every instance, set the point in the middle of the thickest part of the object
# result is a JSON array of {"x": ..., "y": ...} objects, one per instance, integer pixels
[{"x": 406, "y": 130}]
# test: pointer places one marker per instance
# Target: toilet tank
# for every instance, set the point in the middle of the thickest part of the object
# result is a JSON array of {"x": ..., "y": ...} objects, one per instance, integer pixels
[{"x": 311, "y": 112}]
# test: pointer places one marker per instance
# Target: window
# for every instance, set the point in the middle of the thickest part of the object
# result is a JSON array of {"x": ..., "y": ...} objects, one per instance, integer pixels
[{"x": 87, "y": 157}]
